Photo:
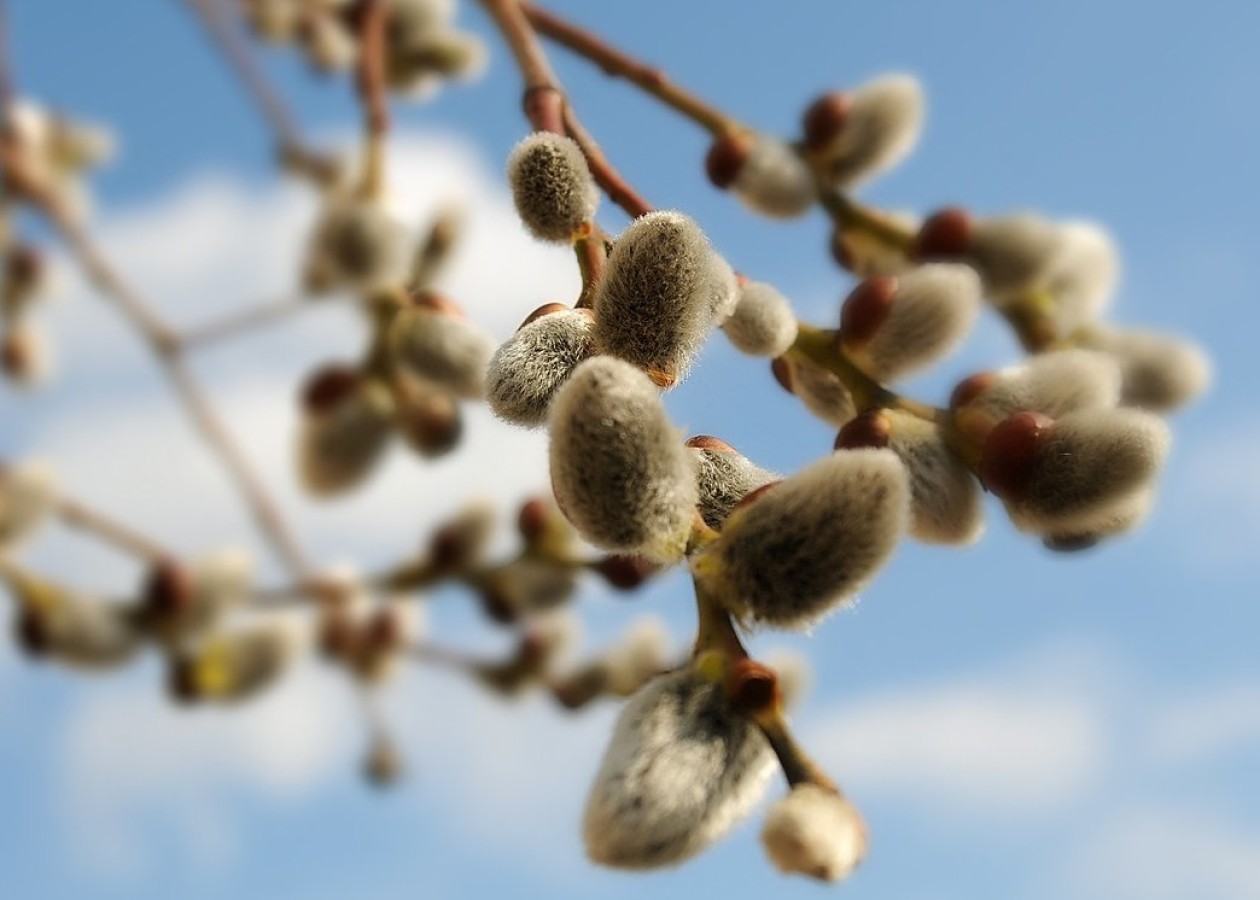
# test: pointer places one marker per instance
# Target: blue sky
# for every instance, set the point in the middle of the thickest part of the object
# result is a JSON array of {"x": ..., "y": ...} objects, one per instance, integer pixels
[{"x": 1014, "y": 724}]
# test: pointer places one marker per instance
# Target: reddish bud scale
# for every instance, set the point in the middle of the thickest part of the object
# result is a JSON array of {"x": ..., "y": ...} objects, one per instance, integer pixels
[
  {"x": 31, "y": 634},
  {"x": 840, "y": 251},
  {"x": 531, "y": 522},
  {"x": 496, "y": 606},
  {"x": 625, "y": 572},
  {"x": 726, "y": 157},
  {"x": 867, "y": 308},
  {"x": 337, "y": 635},
  {"x": 708, "y": 442},
  {"x": 384, "y": 631},
  {"x": 872, "y": 428},
  {"x": 545, "y": 310},
  {"x": 15, "y": 355},
  {"x": 328, "y": 387},
  {"x": 168, "y": 590},
  {"x": 825, "y": 119},
  {"x": 967, "y": 390},
  {"x": 436, "y": 302},
  {"x": 1010, "y": 453},
  {"x": 782, "y": 372},
  {"x": 448, "y": 547},
  {"x": 945, "y": 234},
  {"x": 753, "y": 687},
  {"x": 181, "y": 686}
]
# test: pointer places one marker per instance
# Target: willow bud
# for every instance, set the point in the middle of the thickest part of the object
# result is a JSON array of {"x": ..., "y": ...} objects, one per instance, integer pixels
[
  {"x": 682, "y": 768},
  {"x": 71, "y": 628},
  {"x": 662, "y": 289},
  {"x": 462, "y": 541},
  {"x": 25, "y": 357},
  {"x": 1083, "y": 275},
  {"x": 619, "y": 471},
  {"x": 182, "y": 602},
  {"x": 1157, "y": 372},
  {"x": 774, "y": 180},
  {"x": 234, "y": 666},
  {"x": 822, "y": 392},
  {"x": 529, "y": 367},
  {"x": 525, "y": 587},
  {"x": 816, "y": 832},
  {"x": 428, "y": 418},
  {"x": 762, "y": 323},
  {"x": 555, "y": 195},
  {"x": 28, "y": 497},
  {"x": 809, "y": 543},
  {"x": 345, "y": 428},
  {"x": 1072, "y": 474},
  {"x": 358, "y": 245},
  {"x": 923, "y": 318},
  {"x": 723, "y": 478},
  {"x": 945, "y": 498},
  {"x": 1013, "y": 254},
  {"x": 433, "y": 341},
  {"x": 874, "y": 131}
]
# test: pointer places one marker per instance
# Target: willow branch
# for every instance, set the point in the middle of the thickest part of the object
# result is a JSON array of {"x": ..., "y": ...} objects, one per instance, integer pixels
[{"x": 242, "y": 321}]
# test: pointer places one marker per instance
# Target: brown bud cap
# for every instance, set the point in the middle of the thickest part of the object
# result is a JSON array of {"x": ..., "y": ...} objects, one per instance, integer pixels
[
  {"x": 31, "y": 633},
  {"x": 545, "y": 310},
  {"x": 1010, "y": 453},
  {"x": 448, "y": 547},
  {"x": 969, "y": 389},
  {"x": 781, "y": 369},
  {"x": 436, "y": 302},
  {"x": 26, "y": 264},
  {"x": 752, "y": 687},
  {"x": 181, "y": 685},
  {"x": 866, "y": 308},
  {"x": 946, "y": 234},
  {"x": 168, "y": 589},
  {"x": 1070, "y": 543},
  {"x": 626, "y": 572},
  {"x": 576, "y": 690},
  {"x": 726, "y": 158},
  {"x": 825, "y": 119},
  {"x": 840, "y": 249},
  {"x": 337, "y": 634},
  {"x": 384, "y": 631},
  {"x": 328, "y": 387},
  {"x": 872, "y": 428},
  {"x": 532, "y": 520},
  {"x": 708, "y": 442},
  {"x": 497, "y": 604},
  {"x": 15, "y": 355}
]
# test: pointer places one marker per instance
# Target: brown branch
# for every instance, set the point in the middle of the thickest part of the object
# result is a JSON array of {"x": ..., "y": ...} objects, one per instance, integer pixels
[
  {"x": 610, "y": 181},
  {"x": 621, "y": 65},
  {"x": 76, "y": 515},
  {"x": 166, "y": 347},
  {"x": 236, "y": 323},
  {"x": 373, "y": 92}
]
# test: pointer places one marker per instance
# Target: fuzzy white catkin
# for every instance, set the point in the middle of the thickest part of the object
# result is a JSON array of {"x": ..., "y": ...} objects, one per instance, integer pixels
[
  {"x": 1087, "y": 465},
  {"x": 822, "y": 392},
  {"x": 933, "y": 309},
  {"x": 529, "y": 367},
  {"x": 28, "y": 496},
  {"x": 682, "y": 768},
  {"x": 235, "y": 666},
  {"x": 811, "y": 542},
  {"x": 356, "y": 244},
  {"x": 443, "y": 349},
  {"x": 619, "y": 471},
  {"x": 75, "y": 629},
  {"x": 553, "y": 189},
  {"x": 1083, "y": 276},
  {"x": 469, "y": 532},
  {"x": 220, "y": 582},
  {"x": 525, "y": 587},
  {"x": 1157, "y": 372},
  {"x": 338, "y": 448},
  {"x": 866, "y": 255},
  {"x": 663, "y": 287},
  {"x": 723, "y": 477},
  {"x": 1013, "y": 253},
  {"x": 762, "y": 323},
  {"x": 946, "y": 504},
  {"x": 774, "y": 180},
  {"x": 881, "y": 129},
  {"x": 1053, "y": 384},
  {"x": 815, "y": 832}
]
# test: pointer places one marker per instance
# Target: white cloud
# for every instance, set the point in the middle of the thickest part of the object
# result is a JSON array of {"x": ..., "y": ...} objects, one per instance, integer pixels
[
  {"x": 1201, "y": 727},
  {"x": 1027, "y": 740},
  {"x": 1166, "y": 854}
]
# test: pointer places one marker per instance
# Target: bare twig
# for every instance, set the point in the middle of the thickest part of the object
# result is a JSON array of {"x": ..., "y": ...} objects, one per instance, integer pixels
[{"x": 236, "y": 323}]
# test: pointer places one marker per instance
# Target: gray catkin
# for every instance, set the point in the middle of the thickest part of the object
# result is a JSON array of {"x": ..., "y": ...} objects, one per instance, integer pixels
[
  {"x": 89, "y": 633},
  {"x": 338, "y": 448},
  {"x": 880, "y": 131},
  {"x": 530, "y": 586},
  {"x": 762, "y": 323},
  {"x": 682, "y": 768},
  {"x": 946, "y": 505},
  {"x": 1053, "y": 384},
  {"x": 356, "y": 244},
  {"x": 662, "y": 288},
  {"x": 932, "y": 311},
  {"x": 620, "y": 473},
  {"x": 774, "y": 180},
  {"x": 723, "y": 478},
  {"x": 1083, "y": 276},
  {"x": 1157, "y": 372},
  {"x": 1086, "y": 465},
  {"x": 1013, "y": 253},
  {"x": 552, "y": 186},
  {"x": 529, "y": 367},
  {"x": 445, "y": 350},
  {"x": 822, "y": 392},
  {"x": 810, "y": 543}
]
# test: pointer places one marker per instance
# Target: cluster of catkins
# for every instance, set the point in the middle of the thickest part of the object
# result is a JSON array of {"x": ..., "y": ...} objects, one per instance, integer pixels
[
  {"x": 422, "y": 47},
  {"x": 1070, "y": 441},
  {"x": 53, "y": 152}
]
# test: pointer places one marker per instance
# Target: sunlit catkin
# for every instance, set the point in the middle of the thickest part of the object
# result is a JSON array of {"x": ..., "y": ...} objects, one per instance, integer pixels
[
  {"x": 816, "y": 832},
  {"x": 554, "y": 193},
  {"x": 529, "y": 367}
]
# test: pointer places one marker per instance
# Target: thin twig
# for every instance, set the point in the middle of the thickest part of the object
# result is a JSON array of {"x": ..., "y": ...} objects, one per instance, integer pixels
[
  {"x": 236, "y": 323},
  {"x": 166, "y": 347},
  {"x": 77, "y": 515},
  {"x": 373, "y": 93}
]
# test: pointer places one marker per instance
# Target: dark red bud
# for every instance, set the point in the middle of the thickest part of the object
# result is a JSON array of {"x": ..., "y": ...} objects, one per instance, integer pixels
[
  {"x": 708, "y": 442},
  {"x": 181, "y": 685},
  {"x": 726, "y": 158},
  {"x": 497, "y": 606},
  {"x": 946, "y": 234},
  {"x": 626, "y": 572},
  {"x": 825, "y": 119},
  {"x": 329, "y": 387},
  {"x": 752, "y": 686},
  {"x": 1010, "y": 454},
  {"x": 840, "y": 251},
  {"x": 781, "y": 369},
  {"x": 970, "y": 388},
  {"x": 168, "y": 590},
  {"x": 532, "y": 520},
  {"x": 1070, "y": 543},
  {"x": 545, "y": 310},
  {"x": 15, "y": 355},
  {"x": 32, "y": 634},
  {"x": 867, "y": 308},
  {"x": 439, "y": 303}
]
